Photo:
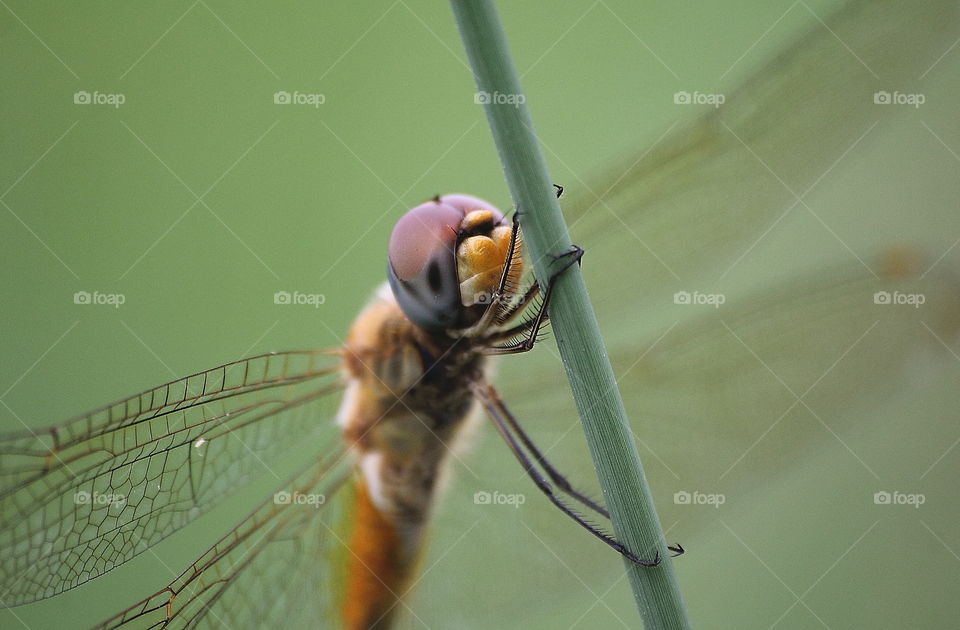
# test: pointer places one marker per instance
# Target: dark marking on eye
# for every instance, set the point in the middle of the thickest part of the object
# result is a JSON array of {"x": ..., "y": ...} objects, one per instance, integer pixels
[{"x": 434, "y": 279}]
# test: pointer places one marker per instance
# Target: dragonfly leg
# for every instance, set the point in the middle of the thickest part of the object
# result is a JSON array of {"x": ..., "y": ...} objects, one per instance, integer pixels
[
  {"x": 511, "y": 253},
  {"x": 499, "y": 305},
  {"x": 555, "y": 476},
  {"x": 503, "y": 304},
  {"x": 557, "y": 192},
  {"x": 532, "y": 327},
  {"x": 498, "y": 413}
]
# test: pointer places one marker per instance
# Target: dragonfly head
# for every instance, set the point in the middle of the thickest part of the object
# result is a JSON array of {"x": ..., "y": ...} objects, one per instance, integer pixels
[{"x": 445, "y": 260}]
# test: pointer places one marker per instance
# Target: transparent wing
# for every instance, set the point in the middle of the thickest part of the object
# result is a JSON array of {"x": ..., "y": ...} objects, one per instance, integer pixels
[
  {"x": 778, "y": 372},
  {"x": 675, "y": 216},
  {"x": 81, "y": 498},
  {"x": 686, "y": 207},
  {"x": 279, "y": 567},
  {"x": 724, "y": 398}
]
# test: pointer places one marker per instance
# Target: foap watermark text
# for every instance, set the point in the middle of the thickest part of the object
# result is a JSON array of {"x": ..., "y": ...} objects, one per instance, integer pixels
[
  {"x": 299, "y": 299},
  {"x": 916, "y": 300},
  {"x": 299, "y": 98},
  {"x": 899, "y": 498},
  {"x": 83, "y": 497},
  {"x": 682, "y": 497},
  {"x": 116, "y": 300},
  {"x": 699, "y": 299},
  {"x": 313, "y": 499},
  {"x": 498, "y": 98},
  {"x": 899, "y": 98},
  {"x": 482, "y": 497},
  {"x": 698, "y": 98},
  {"x": 82, "y": 97}
]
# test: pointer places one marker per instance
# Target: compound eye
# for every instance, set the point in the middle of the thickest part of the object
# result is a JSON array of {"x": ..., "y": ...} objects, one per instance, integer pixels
[
  {"x": 420, "y": 236},
  {"x": 422, "y": 266}
]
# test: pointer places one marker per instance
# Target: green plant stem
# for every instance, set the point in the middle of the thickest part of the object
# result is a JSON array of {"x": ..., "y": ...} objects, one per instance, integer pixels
[{"x": 602, "y": 414}]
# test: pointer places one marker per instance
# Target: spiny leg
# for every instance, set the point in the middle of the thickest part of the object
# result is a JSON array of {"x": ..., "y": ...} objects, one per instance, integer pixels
[
  {"x": 511, "y": 252},
  {"x": 506, "y": 314},
  {"x": 552, "y": 472},
  {"x": 494, "y": 408},
  {"x": 496, "y": 306},
  {"x": 555, "y": 475},
  {"x": 490, "y": 342},
  {"x": 514, "y": 309},
  {"x": 526, "y": 344}
]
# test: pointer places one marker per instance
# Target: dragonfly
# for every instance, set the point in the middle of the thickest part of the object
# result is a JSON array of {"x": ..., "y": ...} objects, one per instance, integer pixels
[{"x": 82, "y": 497}]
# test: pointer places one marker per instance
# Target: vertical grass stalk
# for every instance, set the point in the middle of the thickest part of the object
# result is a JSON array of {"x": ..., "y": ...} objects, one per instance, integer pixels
[{"x": 598, "y": 401}]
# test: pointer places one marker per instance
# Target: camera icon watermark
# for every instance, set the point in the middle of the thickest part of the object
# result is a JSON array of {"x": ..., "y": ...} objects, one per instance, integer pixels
[
  {"x": 511, "y": 300},
  {"x": 483, "y": 497},
  {"x": 481, "y": 297},
  {"x": 899, "y": 98},
  {"x": 299, "y": 98},
  {"x": 498, "y": 98},
  {"x": 297, "y": 298},
  {"x": 312, "y": 499},
  {"x": 96, "y": 298},
  {"x": 698, "y": 98},
  {"x": 899, "y": 498},
  {"x": 682, "y": 497},
  {"x": 916, "y": 300},
  {"x": 82, "y": 97},
  {"x": 699, "y": 299}
]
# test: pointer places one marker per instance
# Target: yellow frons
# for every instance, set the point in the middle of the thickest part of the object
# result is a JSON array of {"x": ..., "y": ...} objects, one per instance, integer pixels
[
  {"x": 477, "y": 254},
  {"x": 480, "y": 261},
  {"x": 479, "y": 264}
]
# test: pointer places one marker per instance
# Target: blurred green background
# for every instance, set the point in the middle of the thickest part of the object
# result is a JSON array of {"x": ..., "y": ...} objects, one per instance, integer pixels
[{"x": 302, "y": 198}]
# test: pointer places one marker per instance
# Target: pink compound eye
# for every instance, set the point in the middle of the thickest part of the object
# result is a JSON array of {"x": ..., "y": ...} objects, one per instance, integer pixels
[
  {"x": 420, "y": 236},
  {"x": 421, "y": 260},
  {"x": 422, "y": 266}
]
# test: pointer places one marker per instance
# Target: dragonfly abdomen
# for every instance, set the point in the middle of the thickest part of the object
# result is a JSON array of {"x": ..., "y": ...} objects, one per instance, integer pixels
[{"x": 406, "y": 403}]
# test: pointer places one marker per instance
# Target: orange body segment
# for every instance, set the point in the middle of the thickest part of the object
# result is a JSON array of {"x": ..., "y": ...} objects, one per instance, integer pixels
[{"x": 377, "y": 569}]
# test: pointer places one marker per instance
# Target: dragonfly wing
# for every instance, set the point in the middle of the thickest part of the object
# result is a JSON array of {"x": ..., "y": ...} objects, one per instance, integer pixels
[
  {"x": 690, "y": 205},
  {"x": 686, "y": 209},
  {"x": 770, "y": 376},
  {"x": 83, "y": 497},
  {"x": 721, "y": 400},
  {"x": 279, "y": 567}
]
